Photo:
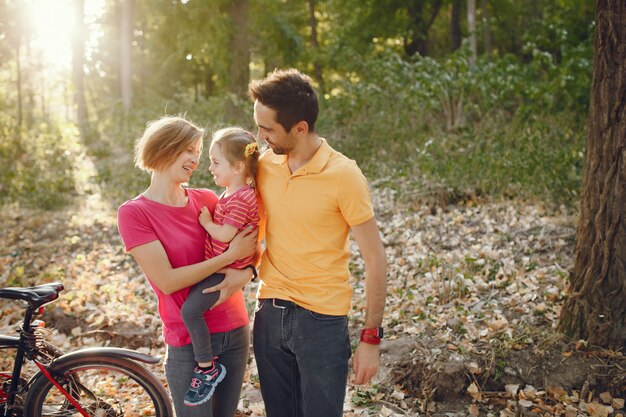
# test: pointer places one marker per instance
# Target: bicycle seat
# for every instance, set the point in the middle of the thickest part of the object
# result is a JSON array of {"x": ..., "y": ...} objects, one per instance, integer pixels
[{"x": 35, "y": 296}]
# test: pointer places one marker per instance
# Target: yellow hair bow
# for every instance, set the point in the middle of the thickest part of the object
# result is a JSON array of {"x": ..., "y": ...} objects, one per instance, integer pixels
[{"x": 250, "y": 148}]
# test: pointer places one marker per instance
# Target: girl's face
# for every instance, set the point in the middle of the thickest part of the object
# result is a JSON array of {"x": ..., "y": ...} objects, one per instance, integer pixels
[
  {"x": 186, "y": 163},
  {"x": 224, "y": 173}
]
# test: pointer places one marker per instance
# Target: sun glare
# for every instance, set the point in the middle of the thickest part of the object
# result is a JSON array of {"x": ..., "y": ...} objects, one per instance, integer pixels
[{"x": 52, "y": 22}]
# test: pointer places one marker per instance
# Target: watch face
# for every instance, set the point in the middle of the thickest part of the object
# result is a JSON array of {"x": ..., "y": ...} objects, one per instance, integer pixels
[{"x": 380, "y": 332}]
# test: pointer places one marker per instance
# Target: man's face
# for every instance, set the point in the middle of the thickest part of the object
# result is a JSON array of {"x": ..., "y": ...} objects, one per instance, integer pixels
[{"x": 269, "y": 130}]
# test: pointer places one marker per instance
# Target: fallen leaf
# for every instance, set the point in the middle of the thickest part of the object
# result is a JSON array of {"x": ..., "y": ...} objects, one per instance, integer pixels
[{"x": 473, "y": 410}]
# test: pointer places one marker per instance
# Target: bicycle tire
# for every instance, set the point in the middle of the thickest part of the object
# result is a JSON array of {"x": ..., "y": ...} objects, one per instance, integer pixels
[{"x": 105, "y": 386}]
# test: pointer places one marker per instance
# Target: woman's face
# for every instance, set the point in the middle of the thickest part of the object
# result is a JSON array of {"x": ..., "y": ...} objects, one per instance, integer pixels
[{"x": 186, "y": 163}]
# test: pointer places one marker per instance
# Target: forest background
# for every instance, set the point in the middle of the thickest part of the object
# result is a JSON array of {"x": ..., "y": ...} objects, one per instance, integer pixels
[{"x": 468, "y": 118}]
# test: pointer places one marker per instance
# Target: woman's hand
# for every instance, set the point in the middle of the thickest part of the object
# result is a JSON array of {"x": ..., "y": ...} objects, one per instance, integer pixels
[
  {"x": 244, "y": 243},
  {"x": 234, "y": 280}
]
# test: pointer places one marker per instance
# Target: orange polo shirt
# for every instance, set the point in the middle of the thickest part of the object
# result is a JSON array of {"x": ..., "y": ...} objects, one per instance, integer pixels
[{"x": 309, "y": 214}]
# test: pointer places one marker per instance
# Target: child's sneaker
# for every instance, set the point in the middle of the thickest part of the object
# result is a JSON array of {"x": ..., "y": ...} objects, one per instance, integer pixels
[{"x": 203, "y": 384}]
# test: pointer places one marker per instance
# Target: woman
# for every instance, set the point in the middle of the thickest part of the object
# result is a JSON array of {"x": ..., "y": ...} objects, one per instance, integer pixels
[{"x": 161, "y": 231}]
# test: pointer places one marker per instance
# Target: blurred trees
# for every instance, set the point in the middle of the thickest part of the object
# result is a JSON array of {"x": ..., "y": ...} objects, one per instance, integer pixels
[{"x": 393, "y": 69}]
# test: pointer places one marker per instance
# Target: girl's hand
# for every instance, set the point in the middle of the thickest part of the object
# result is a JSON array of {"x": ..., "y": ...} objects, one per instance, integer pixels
[
  {"x": 234, "y": 281},
  {"x": 244, "y": 243},
  {"x": 205, "y": 217}
]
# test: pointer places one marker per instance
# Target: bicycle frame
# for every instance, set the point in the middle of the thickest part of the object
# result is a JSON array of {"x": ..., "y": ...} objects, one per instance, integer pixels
[{"x": 48, "y": 370}]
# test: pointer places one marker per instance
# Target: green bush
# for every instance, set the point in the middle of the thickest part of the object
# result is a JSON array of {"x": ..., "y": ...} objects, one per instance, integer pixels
[{"x": 38, "y": 165}]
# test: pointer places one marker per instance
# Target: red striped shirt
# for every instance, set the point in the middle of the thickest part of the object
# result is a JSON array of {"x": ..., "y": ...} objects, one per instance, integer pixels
[{"x": 239, "y": 210}]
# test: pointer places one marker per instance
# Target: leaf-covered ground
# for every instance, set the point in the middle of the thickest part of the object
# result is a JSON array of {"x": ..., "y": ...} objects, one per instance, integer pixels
[{"x": 475, "y": 290}]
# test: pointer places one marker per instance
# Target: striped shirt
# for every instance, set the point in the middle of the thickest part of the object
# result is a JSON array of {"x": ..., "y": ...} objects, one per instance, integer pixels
[{"x": 239, "y": 210}]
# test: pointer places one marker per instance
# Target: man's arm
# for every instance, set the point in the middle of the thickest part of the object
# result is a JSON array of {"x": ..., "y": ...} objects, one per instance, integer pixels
[{"x": 367, "y": 356}]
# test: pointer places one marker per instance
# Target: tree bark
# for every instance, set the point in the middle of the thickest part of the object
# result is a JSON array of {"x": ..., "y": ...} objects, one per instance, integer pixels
[
  {"x": 595, "y": 309},
  {"x": 78, "y": 76},
  {"x": 486, "y": 28},
  {"x": 471, "y": 27},
  {"x": 455, "y": 25},
  {"x": 18, "y": 68},
  {"x": 317, "y": 67},
  {"x": 239, "y": 66},
  {"x": 126, "y": 54},
  {"x": 416, "y": 40}
]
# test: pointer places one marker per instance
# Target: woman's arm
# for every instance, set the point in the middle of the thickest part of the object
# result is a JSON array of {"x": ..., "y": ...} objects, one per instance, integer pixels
[{"x": 153, "y": 261}]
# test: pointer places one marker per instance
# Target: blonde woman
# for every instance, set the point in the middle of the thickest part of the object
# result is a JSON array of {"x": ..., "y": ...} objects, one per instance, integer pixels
[{"x": 161, "y": 231}]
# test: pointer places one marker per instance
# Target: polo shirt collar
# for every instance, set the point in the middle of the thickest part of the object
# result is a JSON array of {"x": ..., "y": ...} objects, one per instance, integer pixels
[{"x": 315, "y": 165}]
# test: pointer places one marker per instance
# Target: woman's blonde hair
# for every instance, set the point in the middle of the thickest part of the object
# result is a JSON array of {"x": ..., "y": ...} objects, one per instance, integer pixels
[
  {"x": 164, "y": 140},
  {"x": 238, "y": 145}
]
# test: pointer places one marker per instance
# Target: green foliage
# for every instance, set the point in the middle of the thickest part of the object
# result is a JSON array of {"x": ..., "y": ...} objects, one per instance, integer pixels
[
  {"x": 500, "y": 128},
  {"x": 119, "y": 180},
  {"x": 39, "y": 165}
]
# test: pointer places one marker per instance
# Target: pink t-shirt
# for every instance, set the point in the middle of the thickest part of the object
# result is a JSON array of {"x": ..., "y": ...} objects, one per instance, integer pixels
[
  {"x": 239, "y": 210},
  {"x": 141, "y": 221}
]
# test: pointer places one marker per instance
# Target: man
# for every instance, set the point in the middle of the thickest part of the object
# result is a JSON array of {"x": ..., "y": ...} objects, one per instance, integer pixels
[{"x": 313, "y": 196}]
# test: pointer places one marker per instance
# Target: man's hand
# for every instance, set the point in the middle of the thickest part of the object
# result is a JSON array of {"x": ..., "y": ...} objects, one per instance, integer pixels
[{"x": 365, "y": 363}]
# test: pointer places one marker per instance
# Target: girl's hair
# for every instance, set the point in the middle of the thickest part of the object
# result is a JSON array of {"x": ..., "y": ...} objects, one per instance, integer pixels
[
  {"x": 164, "y": 140},
  {"x": 238, "y": 145}
]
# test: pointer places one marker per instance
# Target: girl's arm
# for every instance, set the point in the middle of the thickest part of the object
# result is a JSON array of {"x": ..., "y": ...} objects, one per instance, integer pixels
[
  {"x": 224, "y": 233},
  {"x": 153, "y": 261}
]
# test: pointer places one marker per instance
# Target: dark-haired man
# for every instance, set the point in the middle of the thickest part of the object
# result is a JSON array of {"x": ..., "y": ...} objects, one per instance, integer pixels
[{"x": 313, "y": 197}]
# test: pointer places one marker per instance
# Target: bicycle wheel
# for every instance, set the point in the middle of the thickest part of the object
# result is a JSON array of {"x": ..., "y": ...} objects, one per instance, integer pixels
[{"x": 104, "y": 386}]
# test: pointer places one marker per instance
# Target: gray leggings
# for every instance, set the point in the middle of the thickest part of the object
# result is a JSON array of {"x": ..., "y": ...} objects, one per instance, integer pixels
[
  {"x": 232, "y": 348},
  {"x": 193, "y": 311}
]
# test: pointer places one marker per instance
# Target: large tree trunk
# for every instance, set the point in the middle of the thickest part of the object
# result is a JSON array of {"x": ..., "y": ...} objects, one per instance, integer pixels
[
  {"x": 596, "y": 306},
  {"x": 471, "y": 27},
  {"x": 421, "y": 19},
  {"x": 18, "y": 69},
  {"x": 455, "y": 25},
  {"x": 239, "y": 66},
  {"x": 78, "y": 76},
  {"x": 126, "y": 54},
  {"x": 317, "y": 67},
  {"x": 487, "y": 28}
]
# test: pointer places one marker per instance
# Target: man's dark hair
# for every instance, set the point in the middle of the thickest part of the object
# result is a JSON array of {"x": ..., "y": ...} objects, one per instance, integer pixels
[{"x": 290, "y": 94}]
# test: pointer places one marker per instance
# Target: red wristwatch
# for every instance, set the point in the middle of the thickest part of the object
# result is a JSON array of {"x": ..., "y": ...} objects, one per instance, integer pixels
[{"x": 372, "y": 336}]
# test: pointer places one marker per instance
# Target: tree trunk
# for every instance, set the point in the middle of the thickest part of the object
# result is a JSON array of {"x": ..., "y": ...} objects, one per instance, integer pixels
[
  {"x": 595, "y": 309},
  {"x": 78, "y": 59},
  {"x": 417, "y": 39},
  {"x": 471, "y": 27},
  {"x": 486, "y": 28},
  {"x": 239, "y": 66},
  {"x": 18, "y": 68},
  {"x": 455, "y": 25},
  {"x": 317, "y": 67},
  {"x": 126, "y": 54}
]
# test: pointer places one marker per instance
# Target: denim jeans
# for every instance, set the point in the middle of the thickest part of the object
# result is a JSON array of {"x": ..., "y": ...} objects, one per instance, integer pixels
[
  {"x": 302, "y": 358},
  {"x": 232, "y": 348}
]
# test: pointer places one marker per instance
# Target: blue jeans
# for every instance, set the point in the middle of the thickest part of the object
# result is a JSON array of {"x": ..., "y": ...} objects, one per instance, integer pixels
[
  {"x": 232, "y": 348},
  {"x": 302, "y": 358}
]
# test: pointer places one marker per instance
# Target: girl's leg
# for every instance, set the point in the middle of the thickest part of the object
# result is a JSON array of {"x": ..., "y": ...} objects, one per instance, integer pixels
[{"x": 193, "y": 311}]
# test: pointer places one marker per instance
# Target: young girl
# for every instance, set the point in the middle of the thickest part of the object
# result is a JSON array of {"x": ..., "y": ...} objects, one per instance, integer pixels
[{"x": 234, "y": 154}]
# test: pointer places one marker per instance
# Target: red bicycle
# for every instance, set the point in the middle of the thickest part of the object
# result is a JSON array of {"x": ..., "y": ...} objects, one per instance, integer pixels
[{"x": 91, "y": 382}]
